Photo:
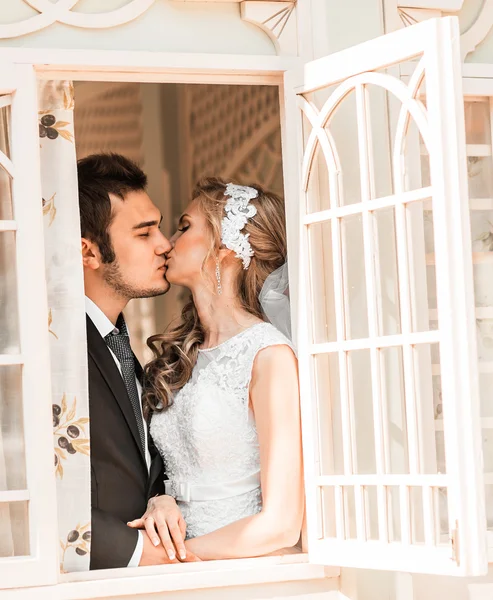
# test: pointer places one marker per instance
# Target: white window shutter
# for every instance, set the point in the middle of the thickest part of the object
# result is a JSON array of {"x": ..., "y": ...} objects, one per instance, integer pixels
[
  {"x": 27, "y": 481},
  {"x": 379, "y": 307}
]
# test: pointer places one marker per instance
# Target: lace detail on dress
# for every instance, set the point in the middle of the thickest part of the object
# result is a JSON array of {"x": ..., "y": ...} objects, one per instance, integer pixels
[{"x": 208, "y": 435}]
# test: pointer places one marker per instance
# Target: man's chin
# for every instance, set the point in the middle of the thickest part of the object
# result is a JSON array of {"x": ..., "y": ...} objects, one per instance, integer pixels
[{"x": 153, "y": 292}]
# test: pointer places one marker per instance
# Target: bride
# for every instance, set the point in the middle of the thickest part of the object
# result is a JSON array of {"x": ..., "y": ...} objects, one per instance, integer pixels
[{"x": 222, "y": 390}]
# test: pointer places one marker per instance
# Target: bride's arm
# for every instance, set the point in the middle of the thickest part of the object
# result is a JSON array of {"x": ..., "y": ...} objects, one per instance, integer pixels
[{"x": 274, "y": 394}]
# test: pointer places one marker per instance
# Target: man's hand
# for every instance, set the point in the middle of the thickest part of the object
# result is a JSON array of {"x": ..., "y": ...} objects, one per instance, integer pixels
[{"x": 164, "y": 515}]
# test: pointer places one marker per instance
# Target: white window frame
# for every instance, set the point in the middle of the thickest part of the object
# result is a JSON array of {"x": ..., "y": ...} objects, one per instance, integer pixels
[
  {"x": 123, "y": 66},
  {"x": 439, "y": 40},
  {"x": 139, "y": 67},
  {"x": 41, "y": 566},
  {"x": 478, "y": 83}
]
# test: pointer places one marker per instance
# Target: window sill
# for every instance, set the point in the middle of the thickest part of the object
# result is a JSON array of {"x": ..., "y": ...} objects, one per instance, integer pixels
[{"x": 171, "y": 578}]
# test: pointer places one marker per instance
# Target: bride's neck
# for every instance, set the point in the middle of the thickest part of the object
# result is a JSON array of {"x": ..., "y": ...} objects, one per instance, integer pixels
[{"x": 221, "y": 316}]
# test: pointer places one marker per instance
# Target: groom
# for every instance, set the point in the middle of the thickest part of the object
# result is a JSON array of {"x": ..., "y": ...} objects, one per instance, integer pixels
[{"x": 123, "y": 254}]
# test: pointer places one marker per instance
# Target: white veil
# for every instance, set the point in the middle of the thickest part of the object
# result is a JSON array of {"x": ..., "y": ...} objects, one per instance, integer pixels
[{"x": 274, "y": 300}]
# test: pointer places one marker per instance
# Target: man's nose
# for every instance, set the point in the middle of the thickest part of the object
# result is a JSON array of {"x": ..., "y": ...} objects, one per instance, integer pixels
[{"x": 164, "y": 245}]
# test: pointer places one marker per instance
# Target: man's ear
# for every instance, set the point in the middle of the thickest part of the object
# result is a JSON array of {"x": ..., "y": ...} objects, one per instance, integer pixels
[{"x": 91, "y": 258}]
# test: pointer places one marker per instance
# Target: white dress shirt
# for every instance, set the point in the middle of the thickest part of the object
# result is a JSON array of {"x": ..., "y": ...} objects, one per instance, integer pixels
[{"x": 105, "y": 326}]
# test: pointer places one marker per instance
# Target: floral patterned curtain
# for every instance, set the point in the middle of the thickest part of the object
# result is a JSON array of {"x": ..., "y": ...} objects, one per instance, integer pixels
[{"x": 66, "y": 321}]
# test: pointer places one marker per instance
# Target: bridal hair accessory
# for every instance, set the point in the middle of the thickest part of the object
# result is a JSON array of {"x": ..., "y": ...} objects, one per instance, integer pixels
[
  {"x": 274, "y": 300},
  {"x": 238, "y": 211}
]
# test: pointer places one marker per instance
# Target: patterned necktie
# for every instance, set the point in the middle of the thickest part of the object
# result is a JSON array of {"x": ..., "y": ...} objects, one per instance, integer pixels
[{"x": 119, "y": 343}]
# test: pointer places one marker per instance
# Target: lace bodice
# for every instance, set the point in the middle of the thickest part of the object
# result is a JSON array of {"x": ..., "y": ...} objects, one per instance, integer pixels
[{"x": 208, "y": 439}]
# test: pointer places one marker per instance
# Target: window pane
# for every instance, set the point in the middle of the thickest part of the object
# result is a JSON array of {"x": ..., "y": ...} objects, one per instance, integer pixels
[
  {"x": 329, "y": 411},
  {"x": 14, "y": 529},
  {"x": 354, "y": 277},
  {"x": 349, "y": 512},
  {"x": 371, "y": 512},
  {"x": 394, "y": 410},
  {"x": 318, "y": 189},
  {"x": 361, "y": 391},
  {"x": 387, "y": 279},
  {"x": 343, "y": 128},
  {"x": 322, "y": 283},
  {"x": 5, "y": 179},
  {"x": 394, "y": 513},
  {"x": 477, "y": 116},
  {"x": 422, "y": 271},
  {"x": 480, "y": 174},
  {"x": 5, "y": 195},
  {"x": 9, "y": 336},
  {"x": 12, "y": 453},
  {"x": 429, "y": 408}
]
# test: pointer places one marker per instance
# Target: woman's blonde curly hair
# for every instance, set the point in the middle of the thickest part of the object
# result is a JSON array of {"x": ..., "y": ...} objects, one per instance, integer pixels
[{"x": 175, "y": 351}]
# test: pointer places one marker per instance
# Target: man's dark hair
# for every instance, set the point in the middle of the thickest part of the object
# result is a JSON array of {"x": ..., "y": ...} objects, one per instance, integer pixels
[{"x": 100, "y": 175}]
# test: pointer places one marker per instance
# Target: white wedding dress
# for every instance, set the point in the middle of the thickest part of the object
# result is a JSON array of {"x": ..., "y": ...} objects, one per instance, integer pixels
[{"x": 208, "y": 439}]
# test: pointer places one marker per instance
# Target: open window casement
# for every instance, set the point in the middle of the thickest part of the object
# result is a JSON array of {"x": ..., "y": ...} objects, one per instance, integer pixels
[
  {"x": 386, "y": 311},
  {"x": 28, "y": 531}
]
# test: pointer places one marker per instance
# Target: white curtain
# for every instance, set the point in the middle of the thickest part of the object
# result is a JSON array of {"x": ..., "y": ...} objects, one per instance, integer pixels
[{"x": 66, "y": 321}]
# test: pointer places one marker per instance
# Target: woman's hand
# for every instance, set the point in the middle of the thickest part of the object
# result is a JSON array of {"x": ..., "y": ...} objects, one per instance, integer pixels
[{"x": 163, "y": 515}]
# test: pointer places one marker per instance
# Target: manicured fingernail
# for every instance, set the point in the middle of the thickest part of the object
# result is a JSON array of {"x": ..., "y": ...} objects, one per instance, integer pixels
[
  {"x": 172, "y": 556},
  {"x": 155, "y": 542},
  {"x": 183, "y": 555}
]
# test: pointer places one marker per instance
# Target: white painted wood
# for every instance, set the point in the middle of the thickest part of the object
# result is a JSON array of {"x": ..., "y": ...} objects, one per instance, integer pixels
[
  {"x": 481, "y": 312},
  {"x": 170, "y": 579},
  {"x": 6, "y": 163},
  {"x": 480, "y": 591},
  {"x": 14, "y": 496},
  {"x": 405, "y": 45},
  {"x": 273, "y": 17},
  {"x": 455, "y": 296},
  {"x": 11, "y": 359},
  {"x": 481, "y": 204},
  {"x": 404, "y": 589},
  {"x": 480, "y": 28},
  {"x": 277, "y": 19},
  {"x": 477, "y": 258},
  {"x": 412, "y": 11},
  {"x": 372, "y": 205},
  {"x": 387, "y": 479},
  {"x": 122, "y": 65},
  {"x": 8, "y": 226},
  {"x": 483, "y": 367},
  {"x": 436, "y": 42},
  {"x": 423, "y": 337},
  {"x": 486, "y": 423},
  {"x": 5, "y": 101},
  {"x": 292, "y": 138},
  {"x": 388, "y": 557},
  {"x": 41, "y": 566},
  {"x": 443, "y": 5},
  {"x": 478, "y": 150},
  {"x": 61, "y": 12}
]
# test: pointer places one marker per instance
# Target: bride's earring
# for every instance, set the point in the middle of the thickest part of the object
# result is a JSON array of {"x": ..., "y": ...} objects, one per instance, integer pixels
[{"x": 218, "y": 277}]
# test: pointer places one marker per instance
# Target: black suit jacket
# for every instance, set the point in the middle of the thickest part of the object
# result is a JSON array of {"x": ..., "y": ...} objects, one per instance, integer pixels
[{"x": 120, "y": 481}]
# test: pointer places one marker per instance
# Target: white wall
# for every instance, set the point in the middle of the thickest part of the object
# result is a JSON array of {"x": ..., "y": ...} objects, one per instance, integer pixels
[{"x": 167, "y": 26}]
